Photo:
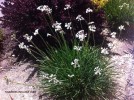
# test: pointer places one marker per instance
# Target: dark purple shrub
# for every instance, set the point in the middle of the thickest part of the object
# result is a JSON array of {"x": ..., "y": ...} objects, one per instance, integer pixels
[{"x": 23, "y": 17}]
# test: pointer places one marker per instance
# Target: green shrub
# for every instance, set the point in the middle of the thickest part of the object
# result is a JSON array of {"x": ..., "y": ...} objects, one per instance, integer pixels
[
  {"x": 77, "y": 75},
  {"x": 119, "y": 11}
]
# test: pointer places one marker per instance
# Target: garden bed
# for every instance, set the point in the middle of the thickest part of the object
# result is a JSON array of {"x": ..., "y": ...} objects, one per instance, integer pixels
[{"x": 75, "y": 55}]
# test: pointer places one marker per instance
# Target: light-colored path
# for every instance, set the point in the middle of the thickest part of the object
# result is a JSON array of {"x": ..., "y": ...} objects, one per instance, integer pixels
[
  {"x": 13, "y": 83},
  {"x": 124, "y": 64},
  {"x": 0, "y": 9}
]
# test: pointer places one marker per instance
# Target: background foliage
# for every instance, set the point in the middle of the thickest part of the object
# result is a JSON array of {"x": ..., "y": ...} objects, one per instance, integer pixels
[
  {"x": 119, "y": 11},
  {"x": 23, "y": 17}
]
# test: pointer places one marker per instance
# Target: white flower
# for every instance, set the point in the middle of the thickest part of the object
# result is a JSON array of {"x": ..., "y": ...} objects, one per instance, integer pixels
[
  {"x": 77, "y": 48},
  {"x": 27, "y": 37},
  {"x": 110, "y": 45},
  {"x": 90, "y": 23},
  {"x": 57, "y": 26},
  {"x": 22, "y": 46},
  {"x": 92, "y": 28},
  {"x": 71, "y": 75},
  {"x": 121, "y": 7},
  {"x": 124, "y": 5},
  {"x": 75, "y": 63},
  {"x": 121, "y": 27},
  {"x": 113, "y": 34},
  {"x": 80, "y": 35},
  {"x": 45, "y": 8},
  {"x": 48, "y": 35},
  {"x": 13, "y": 55},
  {"x": 67, "y": 6},
  {"x": 79, "y": 18},
  {"x": 104, "y": 51},
  {"x": 88, "y": 10},
  {"x": 36, "y": 32},
  {"x": 97, "y": 71},
  {"x": 51, "y": 78},
  {"x": 68, "y": 25},
  {"x": 127, "y": 23}
]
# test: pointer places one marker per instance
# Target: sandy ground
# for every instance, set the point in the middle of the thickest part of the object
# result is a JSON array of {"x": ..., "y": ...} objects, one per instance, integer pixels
[
  {"x": 14, "y": 75},
  {"x": 123, "y": 64},
  {"x": 16, "y": 82}
]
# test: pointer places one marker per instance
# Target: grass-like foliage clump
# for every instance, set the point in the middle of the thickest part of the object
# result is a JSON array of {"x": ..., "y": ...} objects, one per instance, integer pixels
[
  {"x": 84, "y": 74},
  {"x": 119, "y": 11},
  {"x": 72, "y": 72}
]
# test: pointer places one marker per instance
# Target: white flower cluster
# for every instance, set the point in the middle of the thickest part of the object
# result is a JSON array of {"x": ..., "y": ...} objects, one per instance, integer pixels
[
  {"x": 121, "y": 27},
  {"x": 27, "y": 37},
  {"x": 36, "y": 32},
  {"x": 75, "y": 63},
  {"x": 23, "y": 46},
  {"x": 110, "y": 45},
  {"x": 91, "y": 27},
  {"x": 51, "y": 78},
  {"x": 68, "y": 25},
  {"x": 77, "y": 48},
  {"x": 67, "y": 6},
  {"x": 88, "y": 10},
  {"x": 113, "y": 34},
  {"x": 90, "y": 23},
  {"x": 57, "y": 26},
  {"x": 124, "y": 5},
  {"x": 104, "y": 51},
  {"x": 48, "y": 34},
  {"x": 45, "y": 8},
  {"x": 80, "y": 35},
  {"x": 80, "y": 18},
  {"x": 70, "y": 76},
  {"x": 97, "y": 71}
]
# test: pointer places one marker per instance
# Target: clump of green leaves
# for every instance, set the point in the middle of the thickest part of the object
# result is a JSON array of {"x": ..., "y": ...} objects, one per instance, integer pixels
[
  {"x": 76, "y": 72},
  {"x": 119, "y": 11},
  {"x": 80, "y": 74}
]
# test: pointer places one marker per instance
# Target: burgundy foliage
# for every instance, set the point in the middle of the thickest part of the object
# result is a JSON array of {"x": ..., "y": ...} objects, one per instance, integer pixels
[{"x": 23, "y": 17}]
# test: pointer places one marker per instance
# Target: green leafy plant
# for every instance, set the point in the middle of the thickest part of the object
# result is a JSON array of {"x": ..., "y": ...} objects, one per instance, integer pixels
[
  {"x": 77, "y": 72},
  {"x": 119, "y": 11},
  {"x": 77, "y": 75}
]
